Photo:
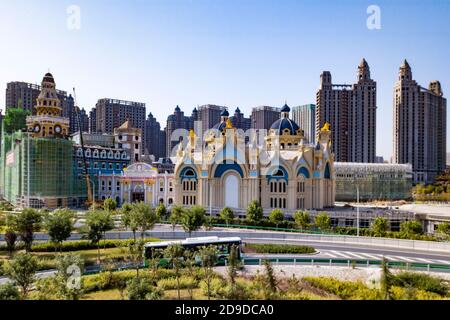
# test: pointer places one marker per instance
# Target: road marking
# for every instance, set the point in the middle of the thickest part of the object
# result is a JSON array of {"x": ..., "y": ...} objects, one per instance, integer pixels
[
  {"x": 329, "y": 254},
  {"x": 339, "y": 254},
  {"x": 401, "y": 258},
  {"x": 355, "y": 255},
  {"x": 372, "y": 256},
  {"x": 424, "y": 260}
]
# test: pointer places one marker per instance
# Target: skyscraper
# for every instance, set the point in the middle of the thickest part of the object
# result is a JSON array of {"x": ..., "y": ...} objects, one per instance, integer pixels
[
  {"x": 263, "y": 117},
  {"x": 209, "y": 115},
  {"x": 93, "y": 120},
  {"x": 239, "y": 121},
  {"x": 25, "y": 94},
  {"x": 305, "y": 117},
  {"x": 175, "y": 121},
  {"x": 351, "y": 112},
  {"x": 154, "y": 138},
  {"x": 112, "y": 113},
  {"x": 419, "y": 126}
]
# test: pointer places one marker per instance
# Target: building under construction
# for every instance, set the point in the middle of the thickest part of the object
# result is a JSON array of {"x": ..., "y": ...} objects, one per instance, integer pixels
[
  {"x": 36, "y": 162},
  {"x": 35, "y": 172}
]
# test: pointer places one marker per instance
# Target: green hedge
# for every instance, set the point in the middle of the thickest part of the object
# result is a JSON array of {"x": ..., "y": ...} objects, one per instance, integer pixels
[
  {"x": 77, "y": 245},
  {"x": 280, "y": 248}
]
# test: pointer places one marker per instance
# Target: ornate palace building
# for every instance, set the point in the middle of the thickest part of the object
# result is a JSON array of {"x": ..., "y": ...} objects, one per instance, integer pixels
[{"x": 284, "y": 172}]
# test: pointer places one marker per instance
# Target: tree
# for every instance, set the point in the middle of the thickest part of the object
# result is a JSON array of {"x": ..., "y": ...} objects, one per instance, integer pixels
[
  {"x": 10, "y": 239},
  {"x": 232, "y": 269},
  {"x": 380, "y": 226},
  {"x": 59, "y": 226},
  {"x": 110, "y": 204},
  {"x": 208, "y": 258},
  {"x": 302, "y": 219},
  {"x": 135, "y": 249},
  {"x": 254, "y": 212},
  {"x": 128, "y": 218},
  {"x": 98, "y": 223},
  {"x": 9, "y": 292},
  {"x": 68, "y": 279},
  {"x": 140, "y": 288},
  {"x": 193, "y": 218},
  {"x": 385, "y": 280},
  {"x": 190, "y": 264},
  {"x": 145, "y": 216},
  {"x": 443, "y": 229},
  {"x": 322, "y": 221},
  {"x": 21, "y": 270},
  {"x": 276, "y": 216},
  {"x": 410, "y": 229},
  {"x": 174, "y": 253},
  {"x": 161, "y": 212},
  {"x": 26, "y": 223},
  {"x": 175, "y": 216},
  {"x": 227, "y": 215},
  {"x": 15, "y": 119},
  {"x": 271, "y": 282}
]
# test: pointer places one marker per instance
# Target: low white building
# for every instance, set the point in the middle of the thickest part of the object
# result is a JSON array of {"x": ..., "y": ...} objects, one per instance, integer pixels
[{"x": 138, "y": 182}]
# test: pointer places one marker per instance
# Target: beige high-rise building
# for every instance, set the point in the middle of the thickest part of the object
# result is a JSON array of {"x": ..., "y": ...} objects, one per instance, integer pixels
[
  {"x": 351, "y": 112},
  {"x": 419, "y": 126}
]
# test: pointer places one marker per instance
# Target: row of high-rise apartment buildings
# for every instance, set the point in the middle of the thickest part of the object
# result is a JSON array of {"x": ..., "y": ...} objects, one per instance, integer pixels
[
  {"x": 419, "y": 121},
  {"x": 350, "y": 109}
]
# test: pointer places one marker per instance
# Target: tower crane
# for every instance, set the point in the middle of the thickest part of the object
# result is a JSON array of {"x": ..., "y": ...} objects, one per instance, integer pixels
[{"x": 90, "y": 199}]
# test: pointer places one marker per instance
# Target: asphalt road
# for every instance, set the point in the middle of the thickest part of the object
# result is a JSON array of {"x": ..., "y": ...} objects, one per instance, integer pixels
[{"x": 327, "y": 249}]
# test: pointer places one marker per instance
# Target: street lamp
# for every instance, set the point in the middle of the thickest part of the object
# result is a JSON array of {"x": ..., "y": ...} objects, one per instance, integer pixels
[{"x": 357, "y": 210}]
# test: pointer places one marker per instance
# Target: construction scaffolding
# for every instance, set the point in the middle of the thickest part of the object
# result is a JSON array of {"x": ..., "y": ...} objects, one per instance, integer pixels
[{"x": 36, "y": 172}]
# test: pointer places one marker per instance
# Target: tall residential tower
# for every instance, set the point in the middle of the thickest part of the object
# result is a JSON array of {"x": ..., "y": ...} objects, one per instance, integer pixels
[
  {"x": 419, "y": 126},
  {"x": 351, "y": 112}
]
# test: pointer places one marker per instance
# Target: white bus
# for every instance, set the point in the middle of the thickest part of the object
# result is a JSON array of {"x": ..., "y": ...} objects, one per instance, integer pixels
[{"x": 223, "y": 246}]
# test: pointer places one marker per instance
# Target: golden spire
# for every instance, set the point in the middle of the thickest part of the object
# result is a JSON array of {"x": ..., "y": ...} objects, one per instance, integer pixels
[
  {"x": 326, "y": 127},
  {"x": 229, "y": 124}
]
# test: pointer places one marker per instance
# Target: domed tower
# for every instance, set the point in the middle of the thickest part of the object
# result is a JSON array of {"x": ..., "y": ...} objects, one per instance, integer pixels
[
  {"x": 48, "y": 121},
  {"x": 287, "y": 131}
]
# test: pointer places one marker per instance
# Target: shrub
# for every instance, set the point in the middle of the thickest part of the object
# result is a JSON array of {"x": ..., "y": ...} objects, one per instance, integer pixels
[
  {"x": 276, "y": 216},
  {"x": 140, "y": 288},
  {"x": 411, "y": 228},
  {"x": 422, "y": 282},
  {"x": 410, "y": 293},
  {"x": 217, "y": 288},
  {"x": 322, "y": 221},
  {"x": 347, "y": 290},
  {"x": 171, "y": 283},
  {"x": 302, "y": 219},
  {"x": 280, "y": 248},
  {"x": 254, "y": 212},
  {"x": 9, "y": 292}
]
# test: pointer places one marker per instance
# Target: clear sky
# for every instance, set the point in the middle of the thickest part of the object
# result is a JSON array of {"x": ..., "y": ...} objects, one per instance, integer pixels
[{"x": 238, "y": 53}]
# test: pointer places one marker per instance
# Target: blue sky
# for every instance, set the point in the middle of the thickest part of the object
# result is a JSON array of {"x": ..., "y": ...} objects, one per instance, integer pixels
[{"x": 238, "y": 53}]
